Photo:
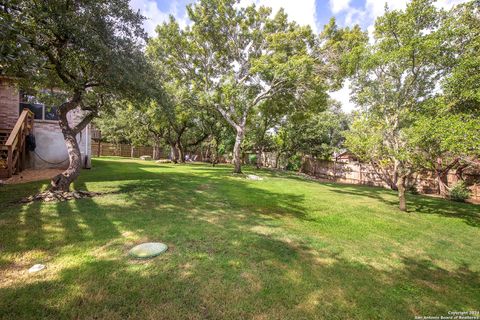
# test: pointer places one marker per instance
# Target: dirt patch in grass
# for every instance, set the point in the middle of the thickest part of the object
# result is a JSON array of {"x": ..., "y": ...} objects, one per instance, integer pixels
[{"x": 30, "y": 175}]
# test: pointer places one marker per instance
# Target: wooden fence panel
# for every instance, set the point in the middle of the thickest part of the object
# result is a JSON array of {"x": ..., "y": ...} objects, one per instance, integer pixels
[
  {"x": 360, "y": 173},
  {"x": 121, "y": 150}
]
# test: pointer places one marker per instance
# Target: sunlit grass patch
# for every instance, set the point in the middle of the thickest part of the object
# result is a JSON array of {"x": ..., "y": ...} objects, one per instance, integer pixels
[{"x": 281, "y": 248}]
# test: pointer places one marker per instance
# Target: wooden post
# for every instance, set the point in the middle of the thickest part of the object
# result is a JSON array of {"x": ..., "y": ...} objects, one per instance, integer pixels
[
  {"x": 23, "y": 151},
  {"x": 9, "y": 162}
]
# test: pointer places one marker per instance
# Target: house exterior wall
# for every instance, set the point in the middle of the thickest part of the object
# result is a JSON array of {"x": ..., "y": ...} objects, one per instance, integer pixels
[
  {"x": 51, "y": 151},
  {"x": 9, "y": 102}
]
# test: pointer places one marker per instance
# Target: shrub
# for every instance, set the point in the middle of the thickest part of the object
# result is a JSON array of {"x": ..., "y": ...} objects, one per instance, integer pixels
[
  {"x": 252, "y": 159},
  {"x": 412, "y": 189},
  {"x": 459, "y": 192},
  {"x": 294, "y": 163}
]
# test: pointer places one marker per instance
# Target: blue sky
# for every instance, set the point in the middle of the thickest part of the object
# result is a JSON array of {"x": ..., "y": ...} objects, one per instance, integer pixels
[{"x": 312, "y": 12}]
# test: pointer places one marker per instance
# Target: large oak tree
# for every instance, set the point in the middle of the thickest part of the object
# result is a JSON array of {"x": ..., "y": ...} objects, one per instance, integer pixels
[
  {"x": 397, "y": 73},
  {"x": 88, "y": 51},
  {"x": 239, "y": 58}
]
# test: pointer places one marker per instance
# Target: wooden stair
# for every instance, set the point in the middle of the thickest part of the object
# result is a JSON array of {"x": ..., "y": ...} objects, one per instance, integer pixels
[{"x": 13, "y": 147}]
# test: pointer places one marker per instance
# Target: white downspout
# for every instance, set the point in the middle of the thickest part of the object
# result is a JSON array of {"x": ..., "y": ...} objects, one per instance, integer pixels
[{"x": 86, "y": 147}]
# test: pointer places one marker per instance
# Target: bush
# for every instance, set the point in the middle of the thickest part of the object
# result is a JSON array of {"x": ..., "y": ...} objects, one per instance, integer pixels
[
  {"x": 412, "y": 189},
  {"x": 294, "y": 163},
  {"x": 459, "y": 192},
  {"x": 252, "y": 159}
]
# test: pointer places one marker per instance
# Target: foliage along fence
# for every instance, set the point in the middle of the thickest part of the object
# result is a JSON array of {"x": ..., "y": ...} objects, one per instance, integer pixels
[{"x": 360, "y": 173}]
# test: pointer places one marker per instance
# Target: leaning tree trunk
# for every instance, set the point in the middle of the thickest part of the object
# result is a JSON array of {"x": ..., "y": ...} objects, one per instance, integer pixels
[
  {"x": 459, "y": 171},
  {"x": 62, "y": 181},
  {"x": 401, "y": 192},
  {"x": 237, "y": 149},
  {"x": 442, "y": 181}
]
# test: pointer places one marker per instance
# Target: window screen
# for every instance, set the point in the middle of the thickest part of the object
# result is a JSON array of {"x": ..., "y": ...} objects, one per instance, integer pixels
[
  {"x": 51, "y": 113},
  {"x": 37, "y": 109}
]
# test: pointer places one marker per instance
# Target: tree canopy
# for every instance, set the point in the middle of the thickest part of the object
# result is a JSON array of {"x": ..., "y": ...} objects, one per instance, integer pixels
[
  {"x": 86, "y": 52},
  {"x": 245, "y": 79}
]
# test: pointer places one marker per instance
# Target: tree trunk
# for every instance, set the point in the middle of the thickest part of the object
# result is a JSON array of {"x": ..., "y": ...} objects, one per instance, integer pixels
[
  {"x": 214, "y": 160},
  {"x": 156, "y": 150},
  {"x": 259, "y": 158},
  {"x": 442, "y": 180},
  {"x": 459, "y": 172},
  {"x": 181, "y": 153},
  {"x": 395, "y": 177},
  {"x": 173, "y": 154},
  {"x": 62, "y": 181},
  {"x": 401, "y": 192},
  {"x": 237, "y": 150}
]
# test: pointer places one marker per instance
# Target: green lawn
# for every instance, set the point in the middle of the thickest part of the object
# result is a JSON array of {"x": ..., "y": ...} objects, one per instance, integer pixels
[{"x": 281, "y": 248}]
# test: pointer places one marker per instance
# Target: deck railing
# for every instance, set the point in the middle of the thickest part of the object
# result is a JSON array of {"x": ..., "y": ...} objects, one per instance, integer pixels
[{"x": 16, "y": 143}]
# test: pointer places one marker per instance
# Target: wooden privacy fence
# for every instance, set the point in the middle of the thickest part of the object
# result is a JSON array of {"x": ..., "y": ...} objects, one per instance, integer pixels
[
  {"x": 121, "y": 150},
  {"x": 103, "y": 149},
  {"x": 361, "y": 173}
]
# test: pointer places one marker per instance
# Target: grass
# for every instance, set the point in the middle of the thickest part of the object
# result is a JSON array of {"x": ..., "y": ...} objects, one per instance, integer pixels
[{"x": 281, "y": 248}]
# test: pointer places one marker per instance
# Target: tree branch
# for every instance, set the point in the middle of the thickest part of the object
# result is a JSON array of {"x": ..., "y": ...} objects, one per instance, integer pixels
[
  {"x": 84, "y": 122},
  {"x": 227, "y": 116}
]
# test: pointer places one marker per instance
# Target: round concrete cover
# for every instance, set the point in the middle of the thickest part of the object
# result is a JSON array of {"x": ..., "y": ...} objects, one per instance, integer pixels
[{"x": 148, "y": 250}]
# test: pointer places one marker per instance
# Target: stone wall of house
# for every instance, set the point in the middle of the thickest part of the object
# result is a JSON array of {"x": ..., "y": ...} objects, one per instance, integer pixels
[{"x": 9, "y": 103}]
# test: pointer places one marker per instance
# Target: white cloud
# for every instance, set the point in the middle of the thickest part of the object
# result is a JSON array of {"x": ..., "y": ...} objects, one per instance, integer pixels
[
  {"x": 343, "y": 96},
  {"x": 447, "y": 4},
  {"x": 154, "y": 16},
  {"x": 301, "y": 11},
  {"x": 337, "y": 6}
]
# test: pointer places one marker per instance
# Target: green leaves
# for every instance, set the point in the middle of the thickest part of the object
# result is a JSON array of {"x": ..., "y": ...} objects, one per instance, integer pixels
[{"x": 93, "y": 47}]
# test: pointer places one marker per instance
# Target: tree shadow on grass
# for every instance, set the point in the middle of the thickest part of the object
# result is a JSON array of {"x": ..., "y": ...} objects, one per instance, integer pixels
[
  {"x": 21, "y": 225},
  {"x": 469, "y": 213},
  {"x": 418, "y": 204},
  {"x": 221, "y": 263},
  {"x": 196, "y": 192},
  {"x": 260, "y": 277}
]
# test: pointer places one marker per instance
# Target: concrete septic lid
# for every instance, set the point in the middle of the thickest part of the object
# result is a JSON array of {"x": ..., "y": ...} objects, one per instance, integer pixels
[
  {"x": 148, "y": 250},
  {"x": 36, "y": 268}
]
